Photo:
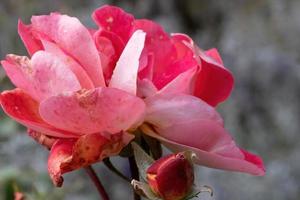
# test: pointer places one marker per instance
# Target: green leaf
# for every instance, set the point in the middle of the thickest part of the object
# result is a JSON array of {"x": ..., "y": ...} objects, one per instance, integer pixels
[
  {"x": 143, "y": 189},
  {"x": 142, "y": 159}
]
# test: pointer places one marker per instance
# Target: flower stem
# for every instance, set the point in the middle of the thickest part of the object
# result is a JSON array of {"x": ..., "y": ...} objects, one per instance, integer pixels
[
  {"x": 92, "y": 174},
  {"x": 112, "y": 168},
  {"x": 134, "y": 174}
]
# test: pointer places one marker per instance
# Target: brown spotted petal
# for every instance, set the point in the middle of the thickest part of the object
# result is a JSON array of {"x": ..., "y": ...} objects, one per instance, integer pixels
[{"x": 67, "y": 154}]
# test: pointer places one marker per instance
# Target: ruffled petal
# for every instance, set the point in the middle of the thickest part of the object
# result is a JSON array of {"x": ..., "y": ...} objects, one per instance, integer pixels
[
  {"x": 125, "y": 74},
  {"x": 31, "y": 43},
  {"x": 114, "y": 19},
  {"x": 214, "y": 82},
  {"x": 75, "y": 39},
  {"x": 22, "y": 108},
  {"x": 42, "y": 76},
  {"x": 69, "y": 155},
  {"x": 91, "y": 111}
]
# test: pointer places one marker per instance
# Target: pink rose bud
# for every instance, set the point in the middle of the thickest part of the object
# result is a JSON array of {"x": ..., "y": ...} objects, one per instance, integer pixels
[{"x": 171, "y": 177}]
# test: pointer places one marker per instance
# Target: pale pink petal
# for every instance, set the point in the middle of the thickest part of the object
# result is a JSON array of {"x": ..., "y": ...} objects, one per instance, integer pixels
[
  {"x": 69, "y": 155},
  {"x": 22, "y": 108},
  {"x": 114, "y": 19},
  {"x": 70, "y": 35},
  {"x": 187, "y": 123},
  {"x": 31, "y": 43},
  {"x": 214, "y": 82},
  {"x": 146, "y": 88},
  {"x": 249, "y": 163},
  {"x": 167, "y": 109},
  {"x": 68, "y": 61},
  {"x": 91, "y": 111},
  {"x": 125, "y": 74},
  {"x": 183, "y": 83},
  {"x": 43, "y": 76}
]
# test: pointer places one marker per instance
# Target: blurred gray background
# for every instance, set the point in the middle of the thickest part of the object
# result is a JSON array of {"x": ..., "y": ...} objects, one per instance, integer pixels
[{"x": 259, "y": 42}]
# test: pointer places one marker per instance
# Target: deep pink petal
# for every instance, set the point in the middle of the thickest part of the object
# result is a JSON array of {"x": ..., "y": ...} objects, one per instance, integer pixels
[
  {"x": 44, "y": 76},
  {"x": 159, "y": 44},
  {"x": 31, "y": 43},
  {"x": 69, "y": 62},
  {"x": 110, "y": 47},
  {"x": 91, "y": 111},
  {"x": 69, "y": 155},
  {"x": 22, "y": 108},
  {"x": 214, "y": 82},
  {"x": 125, "y": 74},
  {"x": 213, "y": 53},
  {"x": 70, "y": 35},
  {"x": 252, "y": 166},
  {"x": 114, "y": 19}
]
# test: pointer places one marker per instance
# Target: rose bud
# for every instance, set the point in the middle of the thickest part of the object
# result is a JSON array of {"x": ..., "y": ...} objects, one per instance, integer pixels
[{"x": 171, "y": 177}]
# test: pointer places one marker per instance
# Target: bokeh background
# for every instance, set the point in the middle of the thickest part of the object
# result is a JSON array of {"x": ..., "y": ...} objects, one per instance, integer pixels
[{"x": 259, "y": 42}]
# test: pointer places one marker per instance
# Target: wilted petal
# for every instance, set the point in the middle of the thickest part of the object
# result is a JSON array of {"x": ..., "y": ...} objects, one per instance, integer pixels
[
  {"x": 114, "y": 19},
  {"x": 68, "y": 155},
  {"x": 31, "y": 43},
  {"x": 125, "y": 74},
  {"x": 91, "y": 111},
  {"x": 22, "y": 108},
  {"x": 68, "y": 33},
  {"x": 214, "y": 82},
  {"x": 69, "y": 62}
]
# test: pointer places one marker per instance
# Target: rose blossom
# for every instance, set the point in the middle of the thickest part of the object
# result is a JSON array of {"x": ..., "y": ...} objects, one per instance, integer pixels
[{"x": 83, "y": 90}]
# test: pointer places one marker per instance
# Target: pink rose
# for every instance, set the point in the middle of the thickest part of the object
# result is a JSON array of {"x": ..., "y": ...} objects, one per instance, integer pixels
[{"x": 83, "y": 90}]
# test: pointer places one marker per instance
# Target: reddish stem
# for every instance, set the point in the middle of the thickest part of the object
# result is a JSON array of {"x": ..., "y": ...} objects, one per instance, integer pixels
[{"x": 92, "y": 174}]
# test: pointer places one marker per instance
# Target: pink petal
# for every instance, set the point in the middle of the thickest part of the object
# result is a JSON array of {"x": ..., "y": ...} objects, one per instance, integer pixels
[
  {"x": 214, "y": 54},
  {"x": 159, "y": 44},
  {"x": 110, "y": 47},
  {"x": 68, "y": 61},
  {"x": 114, "y": 19},
  {"x": 168, "y": 109},
  {"x": 183, "y": 83},
  {"x": 42, "y": 77},
  {"x": 22, "y": 108},
  {"x": 215, "y": 82},
  {"x": 91, "y": 111},
  {"x": 69, "y": 155},
  {"x": 186, "y": 123},
  {"x": 31, "y": 43},
  {"x": 125, "y": 74},
  {"x": 252, "y": 166},
  {"x": 70, "y": 35}
]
